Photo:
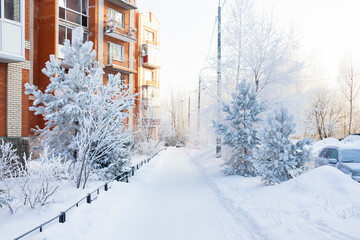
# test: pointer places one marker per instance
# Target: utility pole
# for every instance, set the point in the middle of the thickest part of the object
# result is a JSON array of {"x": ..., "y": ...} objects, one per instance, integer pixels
[{"x": 218, "y": 138}]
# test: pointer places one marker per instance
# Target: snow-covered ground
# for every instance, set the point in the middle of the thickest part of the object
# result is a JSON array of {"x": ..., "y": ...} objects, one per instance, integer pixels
[
  {"x": 180, "y": 194},
  {"x": 323, "y": 203}
]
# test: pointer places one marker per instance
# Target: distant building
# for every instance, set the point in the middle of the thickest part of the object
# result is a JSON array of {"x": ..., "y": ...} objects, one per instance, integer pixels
[
  {"x": 31, "y": 30},
  {"x": 148, "y": 84}
]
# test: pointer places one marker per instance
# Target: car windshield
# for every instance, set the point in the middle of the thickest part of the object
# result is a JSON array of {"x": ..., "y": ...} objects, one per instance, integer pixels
[{"x": 350, "y": 155}]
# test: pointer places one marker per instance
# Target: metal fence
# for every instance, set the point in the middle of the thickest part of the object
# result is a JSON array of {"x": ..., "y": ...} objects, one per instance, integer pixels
[{"x": 123, "y": 177}]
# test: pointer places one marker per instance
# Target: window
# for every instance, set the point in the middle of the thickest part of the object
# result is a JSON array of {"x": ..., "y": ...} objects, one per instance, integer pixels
[
  {"x": 116, "y": 51},
  {"x": 149, "y": 36},
  {"x": 12, "y": 10},
  {"x": 66, "y": 33},
  {"x": 74, "y": 11},
  {"x": 117, "y": 17},
  {"x": 325, "y": 153},
  {"x": 334, "y": 154},
  {"x": 148, "y": 75}
]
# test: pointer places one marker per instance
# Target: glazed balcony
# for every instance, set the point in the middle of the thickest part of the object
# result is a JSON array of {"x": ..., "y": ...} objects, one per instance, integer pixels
[
  {"x": 12, "y": 31},
  {"x": 152, "y": 102},
  {"x": 125, "y": 4},
  {"x": 126, "y": 65},
  {"x": 151, "y": 56},
  {"x": 120, "y": 31}
]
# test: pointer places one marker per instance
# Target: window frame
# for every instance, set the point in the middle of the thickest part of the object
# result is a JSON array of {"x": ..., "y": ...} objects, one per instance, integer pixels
[
  {"x": 21, "y": 21},
  {"x": 114, "y": 19},
  {"x": 66, "y": 33},
  {"x": 81, "y": 14},
  {"x": 110, "y": 52},
  {"x": 147, "y": 32}
]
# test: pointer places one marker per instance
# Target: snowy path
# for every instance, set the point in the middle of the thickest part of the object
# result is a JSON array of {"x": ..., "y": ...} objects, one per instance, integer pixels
[{"x": 168, "y": 199}]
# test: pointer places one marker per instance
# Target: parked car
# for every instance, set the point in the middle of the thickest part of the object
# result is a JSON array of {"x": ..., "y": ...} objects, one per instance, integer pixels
[
  {"x": 346, "y": 160},
  {"x": 180, "y": 144}
]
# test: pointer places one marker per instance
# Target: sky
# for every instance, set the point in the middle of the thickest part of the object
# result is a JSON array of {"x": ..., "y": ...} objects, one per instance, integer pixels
[{"x": 327, "y": 29}]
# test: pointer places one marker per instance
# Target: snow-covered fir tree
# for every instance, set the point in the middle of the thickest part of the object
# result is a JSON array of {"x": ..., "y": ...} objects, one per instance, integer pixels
[
  {"x": 278, "y": 158},
  {"x": 239, "y": 132},
  {"x": 84, "y": 118}
]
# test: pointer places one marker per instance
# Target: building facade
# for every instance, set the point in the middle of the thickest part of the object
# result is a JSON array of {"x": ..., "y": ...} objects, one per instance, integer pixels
[
  {"x": 148, "y": 79},
  {"x": 32, "y": 30}
]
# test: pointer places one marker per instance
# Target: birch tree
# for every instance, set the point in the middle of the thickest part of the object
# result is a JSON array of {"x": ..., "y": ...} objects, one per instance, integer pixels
[{"x": 349, "y": 82}]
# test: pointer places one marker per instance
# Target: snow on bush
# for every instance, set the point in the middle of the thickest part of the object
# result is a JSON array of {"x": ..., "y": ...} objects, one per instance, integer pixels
[
  {"x": 239, "y": 132},
  {"x": 84, "y": 118},
  {"x": 42, "y": 177},
  {"x": 8, "y": 159},
  {"x": 278, "y": 158},
  {"x": 29, "y": 182}
]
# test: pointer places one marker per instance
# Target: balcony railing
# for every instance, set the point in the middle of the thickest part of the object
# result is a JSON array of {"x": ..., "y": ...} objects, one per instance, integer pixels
[
  {"x": 152, "y": 102},
  {"x": 151, "y": 122},
  {"x": 125, "y": 4},
  {"x": 126, "y": 65},
  {"x": 151, "y": 56},
  {"x": 120, "y": 31}
]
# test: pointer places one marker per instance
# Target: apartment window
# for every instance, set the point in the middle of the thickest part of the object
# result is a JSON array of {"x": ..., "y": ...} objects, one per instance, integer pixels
[
  {"x": 117, "y": 17},
  {"x": 12, "y": 10},
  {"x": 75, "y": 11},
  {"x": 66, "y": 33},
  {"x": 116, "y": 51},
  {"x": 149, "y": 76},
  {"x": 149, "y": 36}
]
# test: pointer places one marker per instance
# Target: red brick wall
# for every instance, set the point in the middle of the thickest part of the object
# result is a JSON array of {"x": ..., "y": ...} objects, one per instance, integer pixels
[
  {"x": 3, "y": 107},
  {"x": 25, "y": 124}
]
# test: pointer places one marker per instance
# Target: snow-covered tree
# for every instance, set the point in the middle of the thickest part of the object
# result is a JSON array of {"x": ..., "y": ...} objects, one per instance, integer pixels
[
  {"x": 324, "y": 117},
  {"x": 85, "y": 119},
  {"x": 278, "y": 158},
  {"x": 239, "y": 132},
  {"x": 258, "y": 49}
]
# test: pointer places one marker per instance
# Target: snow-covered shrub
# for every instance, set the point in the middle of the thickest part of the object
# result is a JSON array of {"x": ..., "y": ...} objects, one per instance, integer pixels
[
  {"x": 239, "y": 132},
  {"x": 278, "y": 159},
  {"x": 84, "y": 118},
  {"x": 42, "y": 177},
  {"x": 9, "y": 160},
  {"x": 30, "y": 182}
]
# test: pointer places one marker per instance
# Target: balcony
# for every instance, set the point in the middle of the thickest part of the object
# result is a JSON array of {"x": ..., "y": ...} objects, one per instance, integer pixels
[
  {"x": 120, "y": 31},
  {"x": 151, "y": 102},
  {"x": 12, "y": 41},
  {"x": 151, "y": 122},
  {"x": 151, "y": 56},
  {"x": 127, "y": 65},
  {"x": 125, "y": 4}
]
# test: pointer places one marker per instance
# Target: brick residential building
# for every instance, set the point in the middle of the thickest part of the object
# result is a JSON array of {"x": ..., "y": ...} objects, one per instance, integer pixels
[
  {"x": 31, "y": 30},
  {"x": 148, "y": 80}
]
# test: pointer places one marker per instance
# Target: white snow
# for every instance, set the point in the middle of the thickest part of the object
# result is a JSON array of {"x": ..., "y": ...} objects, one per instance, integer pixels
[
  {"x": 320, "y": 204},
  {"x": 180, "y": 194}
]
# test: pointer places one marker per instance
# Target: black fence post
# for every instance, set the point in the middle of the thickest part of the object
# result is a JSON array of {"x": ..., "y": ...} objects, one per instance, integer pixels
[
  {"x": 62, "y": 217},
  {"x": 106, "y": 187},
  {"x": 40, "y": 228},
  {"x": 88, "y": 198},
  {"x": 137, "y": 166},
  {"x": 132, "y": 171}
]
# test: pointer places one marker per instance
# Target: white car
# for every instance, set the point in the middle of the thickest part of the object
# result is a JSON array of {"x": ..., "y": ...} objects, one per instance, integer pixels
[{"x": 346, "y": 160}]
